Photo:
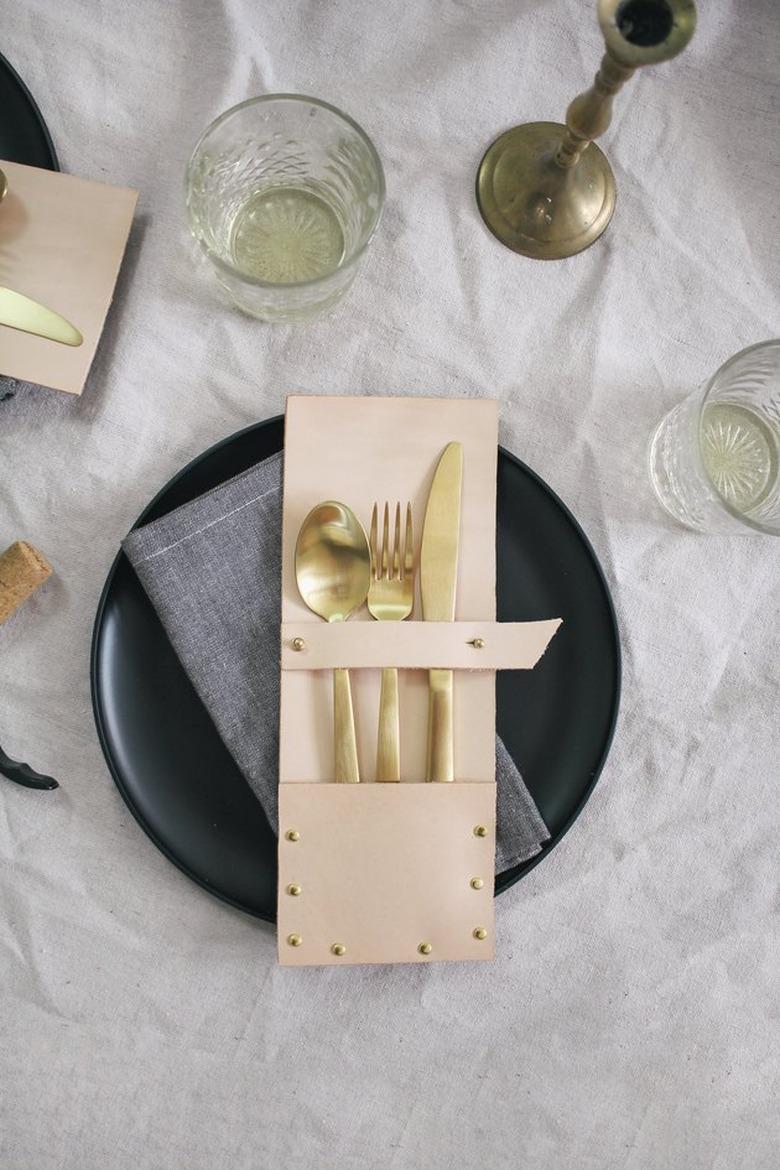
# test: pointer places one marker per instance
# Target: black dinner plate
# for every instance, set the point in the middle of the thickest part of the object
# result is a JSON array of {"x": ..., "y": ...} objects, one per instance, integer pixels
[
  {"x": 179, "y": 779},
  {"x": 24, "y": 137}
]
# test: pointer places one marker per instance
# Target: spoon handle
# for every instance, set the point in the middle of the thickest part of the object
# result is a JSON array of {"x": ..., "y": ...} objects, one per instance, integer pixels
[{"x": 346, "y": 764}]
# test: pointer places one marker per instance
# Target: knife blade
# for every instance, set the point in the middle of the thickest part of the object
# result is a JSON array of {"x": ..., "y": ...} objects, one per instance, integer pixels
[
  {"x": 438, "y": 581},
  {"x": 21, "y": 312}
]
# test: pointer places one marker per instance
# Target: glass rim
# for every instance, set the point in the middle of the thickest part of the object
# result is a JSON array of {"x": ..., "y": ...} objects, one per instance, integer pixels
[
  {"x": 704, "y": 394},
  {"x": 769, "y": 343},
  {"x": 255, "y": 281}
]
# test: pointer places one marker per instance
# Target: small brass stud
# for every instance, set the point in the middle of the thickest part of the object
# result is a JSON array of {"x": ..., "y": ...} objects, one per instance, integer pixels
[
  {"x": 294, "y": 940},
  {"x": 298, "y": 644},
  {"x": 480, "y": 933},
  {"x": 477, "y": 643},
  {"x": 476, "y": 883},
  {"x": 338, "y": 949},
  {"x": 480, "y": 831},
  {"x": 292, "y": 835},
  {"x": 425, "y": 948},
  {"x": 293, "y": 890}
]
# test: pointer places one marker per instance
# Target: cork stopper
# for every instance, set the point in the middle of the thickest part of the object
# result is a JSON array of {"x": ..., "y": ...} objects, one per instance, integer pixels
[{"x": 22, "y": 570}]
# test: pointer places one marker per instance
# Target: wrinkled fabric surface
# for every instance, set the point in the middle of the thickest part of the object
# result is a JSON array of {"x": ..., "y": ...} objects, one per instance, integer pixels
[{"x": 629, "y": 1020}]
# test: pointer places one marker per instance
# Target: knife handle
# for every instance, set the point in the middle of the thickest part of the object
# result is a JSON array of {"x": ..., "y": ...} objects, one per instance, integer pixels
[
  {"x": 346, "y": 761},
  {"x": 440, "y": 750}
]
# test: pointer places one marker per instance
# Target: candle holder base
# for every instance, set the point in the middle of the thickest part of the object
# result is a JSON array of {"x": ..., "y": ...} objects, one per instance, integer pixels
[{"x": 534, "y": 205}]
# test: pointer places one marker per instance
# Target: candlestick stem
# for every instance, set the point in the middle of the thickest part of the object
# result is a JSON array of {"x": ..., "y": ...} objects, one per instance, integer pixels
[{"x": 590, "y": 114}]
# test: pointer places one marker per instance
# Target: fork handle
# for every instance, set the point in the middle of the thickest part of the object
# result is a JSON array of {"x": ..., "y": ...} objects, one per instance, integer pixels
[
  {"x": 346, "y": 763},
  {"x": 441, "y": 765},
  {"x": 388, "y": 747}
]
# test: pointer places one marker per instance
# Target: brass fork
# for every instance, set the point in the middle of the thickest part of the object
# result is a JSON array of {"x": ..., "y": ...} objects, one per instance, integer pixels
[{"x": 390, "y": 599}]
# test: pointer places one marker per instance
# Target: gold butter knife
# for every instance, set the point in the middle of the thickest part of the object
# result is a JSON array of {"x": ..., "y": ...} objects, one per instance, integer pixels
[
  {"x": 21, "y": 312},
  {"x": 438, "y": 578}
]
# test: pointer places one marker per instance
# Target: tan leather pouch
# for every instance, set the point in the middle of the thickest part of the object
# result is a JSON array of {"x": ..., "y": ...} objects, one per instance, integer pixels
[{"x": 391, "y": 873}]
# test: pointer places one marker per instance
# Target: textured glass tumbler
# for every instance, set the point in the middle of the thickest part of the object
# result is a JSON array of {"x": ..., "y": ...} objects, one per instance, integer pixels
[
  {"x": 714, "y": 459},
  {"x": 284, "y": 194}
]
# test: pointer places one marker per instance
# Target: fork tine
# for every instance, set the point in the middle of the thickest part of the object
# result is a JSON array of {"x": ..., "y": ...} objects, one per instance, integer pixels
[
  {"x": 409, "y": 544},
  {"x": 372, "y": 543},
  {"x": 385, "y": 540},
  {"x": 397, "y": 545}
]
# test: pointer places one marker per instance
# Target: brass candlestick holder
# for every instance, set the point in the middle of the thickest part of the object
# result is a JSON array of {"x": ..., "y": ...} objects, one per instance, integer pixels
[{"x": 546, "y": 190}]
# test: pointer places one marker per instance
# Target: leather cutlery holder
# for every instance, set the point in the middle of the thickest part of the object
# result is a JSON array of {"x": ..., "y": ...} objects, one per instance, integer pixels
[{"x": 385, "y": 872}]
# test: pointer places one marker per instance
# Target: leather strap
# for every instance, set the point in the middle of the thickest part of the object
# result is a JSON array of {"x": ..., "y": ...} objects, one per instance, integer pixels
[{"x": 416, "y": 645}]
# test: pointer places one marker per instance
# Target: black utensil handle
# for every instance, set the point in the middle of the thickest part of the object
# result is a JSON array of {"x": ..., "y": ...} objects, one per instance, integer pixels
[{"x": 23, "y": 774}]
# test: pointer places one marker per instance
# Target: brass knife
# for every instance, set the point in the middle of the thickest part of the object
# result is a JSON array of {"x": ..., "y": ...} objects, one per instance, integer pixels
[
  {"x": 438, "y": 579},
  {"x": 20, "y": 312}
]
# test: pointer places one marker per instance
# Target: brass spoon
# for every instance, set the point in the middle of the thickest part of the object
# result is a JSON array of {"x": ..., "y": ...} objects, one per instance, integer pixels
[
  {"x": 333, "y": 572},
  {"x": 3, "y": 186}
]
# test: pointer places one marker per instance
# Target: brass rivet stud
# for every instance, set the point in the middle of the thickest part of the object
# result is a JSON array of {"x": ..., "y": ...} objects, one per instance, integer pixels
[
  {"x": 298, "y": 644},
  {"x": 477, "y": 643},
  {"x": 480, "y": 831},
  {"x": 293, "y": 890},
  {"x": 480, "y": 933},
  {"x": 294, "y": 835},
  {"x": 338, "y": 949},
  {"x": 425, "y": 948},
  {"x": 476, "y": 883},
  {"x": 294, "y": 940}
]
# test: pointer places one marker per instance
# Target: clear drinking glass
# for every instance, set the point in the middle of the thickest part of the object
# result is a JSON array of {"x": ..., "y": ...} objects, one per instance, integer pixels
[
  {"x": 284, "y": 193},
  {"x": 713, "y": 460}
]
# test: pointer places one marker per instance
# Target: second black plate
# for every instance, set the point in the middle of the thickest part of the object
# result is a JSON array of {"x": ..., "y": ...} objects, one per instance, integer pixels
[
  {"x": 24, "y": 136},
  {"x": 183, "y": 786}
]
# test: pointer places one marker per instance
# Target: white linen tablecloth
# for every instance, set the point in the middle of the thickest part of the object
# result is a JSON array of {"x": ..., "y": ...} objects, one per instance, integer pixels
[{"x": 630, "y": 1018}]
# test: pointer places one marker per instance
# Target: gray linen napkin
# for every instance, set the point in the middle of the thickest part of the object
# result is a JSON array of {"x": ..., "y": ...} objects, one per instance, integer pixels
[{"x": 212, "y": 570}]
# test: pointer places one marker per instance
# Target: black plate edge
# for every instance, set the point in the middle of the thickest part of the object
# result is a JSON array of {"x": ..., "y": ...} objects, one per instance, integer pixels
[
  {"x": 509, "y": 877},
  {"x": 55, "y": 162},
  {"x": 503, "y": 881}
]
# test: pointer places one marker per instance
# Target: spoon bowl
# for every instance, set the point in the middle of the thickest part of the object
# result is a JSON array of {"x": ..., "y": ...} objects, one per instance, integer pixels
[
  {"x": 333, "y": 572},
  {"x": 332, "y": 562}
]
